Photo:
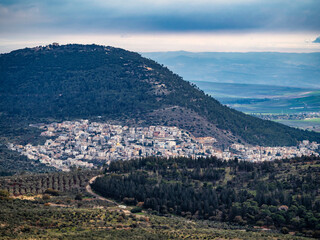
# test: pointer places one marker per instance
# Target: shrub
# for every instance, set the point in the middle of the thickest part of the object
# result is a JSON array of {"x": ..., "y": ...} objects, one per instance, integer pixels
[
  {"x": 136, "y": 210},
  {"x": 285, "y": 230},
  {"x": 4, "y": 194},
  {"x": 52, "y": 192},
  {"x": 46, "y": 197},
  {"x": 78, "y": 197}
]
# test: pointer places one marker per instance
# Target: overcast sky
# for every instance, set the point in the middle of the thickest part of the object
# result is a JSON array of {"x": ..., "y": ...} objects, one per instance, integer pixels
[{"x": 163, "y": 25}]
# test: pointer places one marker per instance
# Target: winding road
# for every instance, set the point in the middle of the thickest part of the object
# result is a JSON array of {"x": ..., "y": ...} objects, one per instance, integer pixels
[{"x": 89, "y": 190}]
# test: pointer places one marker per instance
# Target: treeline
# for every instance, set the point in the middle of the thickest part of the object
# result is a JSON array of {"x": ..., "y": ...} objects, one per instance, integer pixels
[
  {"x": 281, "y": 194},
  {"x": 169, "y": 164}
]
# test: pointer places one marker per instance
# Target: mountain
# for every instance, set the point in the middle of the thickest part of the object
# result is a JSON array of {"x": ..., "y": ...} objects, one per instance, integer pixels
[
  {"x": 270, "y": 68},
  {"x": 89, "y": 81}
]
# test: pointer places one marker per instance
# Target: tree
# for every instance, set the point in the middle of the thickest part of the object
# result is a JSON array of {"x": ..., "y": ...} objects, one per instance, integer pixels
[
  {"x": 4, "y": 194},
  {"x": 78, "y": 197},
  {"x": 46, "y": 197}
]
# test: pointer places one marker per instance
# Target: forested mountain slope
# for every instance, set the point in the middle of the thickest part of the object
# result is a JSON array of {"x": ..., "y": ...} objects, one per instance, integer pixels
[{"x": 85, "y": 81}]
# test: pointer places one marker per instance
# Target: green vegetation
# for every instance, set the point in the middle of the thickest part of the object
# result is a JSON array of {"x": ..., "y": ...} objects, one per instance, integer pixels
[
  {"x": 248, "y": 203},
  {"x": 278, "y": 195},
  {"x": 86, "y": 81},
  {"x": 22, "y": 219},
  {"x": 50, "y": 183}
]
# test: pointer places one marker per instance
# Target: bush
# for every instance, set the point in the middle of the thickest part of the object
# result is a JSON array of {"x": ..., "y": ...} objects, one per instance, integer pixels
[
  {"x": 4, "y": 194},
  {"x": 136, "y": 210},
  {"x": 285, "y": 230},
  {"x": 78, "y": 197},
  {"x": 316, "y": 234},
  {"x": 46, "y": 197},
  {"x": 52, "y": 192}
]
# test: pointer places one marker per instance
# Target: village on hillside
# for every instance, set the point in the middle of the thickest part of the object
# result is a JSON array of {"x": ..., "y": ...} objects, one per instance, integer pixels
[{"x": 87, "y": 144}]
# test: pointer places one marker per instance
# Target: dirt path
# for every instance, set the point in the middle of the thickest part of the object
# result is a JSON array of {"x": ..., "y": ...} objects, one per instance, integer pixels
[{"x": 89, "y": 190}]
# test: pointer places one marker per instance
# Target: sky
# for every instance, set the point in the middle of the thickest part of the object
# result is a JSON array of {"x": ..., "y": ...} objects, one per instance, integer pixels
[{"x": 164, "y": 25}]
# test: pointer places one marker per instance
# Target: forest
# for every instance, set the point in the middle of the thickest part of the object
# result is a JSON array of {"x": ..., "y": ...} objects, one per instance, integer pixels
[{"x": 281, "y": 195}]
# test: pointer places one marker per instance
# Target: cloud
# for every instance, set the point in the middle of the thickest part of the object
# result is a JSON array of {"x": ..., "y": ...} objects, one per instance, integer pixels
[
  {"x": 151, "y": 25},
  {"x": 146, "y": 16},
  {"x": 195, "y": 42}
]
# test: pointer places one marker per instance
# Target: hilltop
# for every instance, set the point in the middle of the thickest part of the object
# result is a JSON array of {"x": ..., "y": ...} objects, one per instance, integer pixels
[{"x": 89, "y": 81}]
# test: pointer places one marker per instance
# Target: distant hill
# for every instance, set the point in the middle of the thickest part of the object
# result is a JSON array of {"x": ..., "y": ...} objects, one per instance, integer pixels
[
  {"x": 270, "y": 68},
  {"x": 86, "y": 81}
]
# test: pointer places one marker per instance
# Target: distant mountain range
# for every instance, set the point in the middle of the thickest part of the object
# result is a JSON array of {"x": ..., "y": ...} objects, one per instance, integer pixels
[
  {"x": 269, "y": 68},
  {"x": 89, "y": 81}
]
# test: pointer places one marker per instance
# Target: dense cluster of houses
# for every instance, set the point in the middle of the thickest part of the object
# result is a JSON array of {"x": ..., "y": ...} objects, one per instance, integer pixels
[{"x": 83, "y": 143}]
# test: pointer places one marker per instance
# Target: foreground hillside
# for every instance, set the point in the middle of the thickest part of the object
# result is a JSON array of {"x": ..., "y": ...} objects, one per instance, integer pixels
[
  {"x": 86, "y": 81},
  {"x": 281, "y": 195},
  {"x": 28, "y": 219},
  {"x": 278, "y": 200}
]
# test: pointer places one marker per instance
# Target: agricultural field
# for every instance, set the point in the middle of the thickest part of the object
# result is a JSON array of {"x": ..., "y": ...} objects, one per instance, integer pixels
[
  {"x": 255, "y": 98},
  {"x": 308, "y": 124},
  {"x": 264, "y": 68},
  {"x": 268, "y": 100}
]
